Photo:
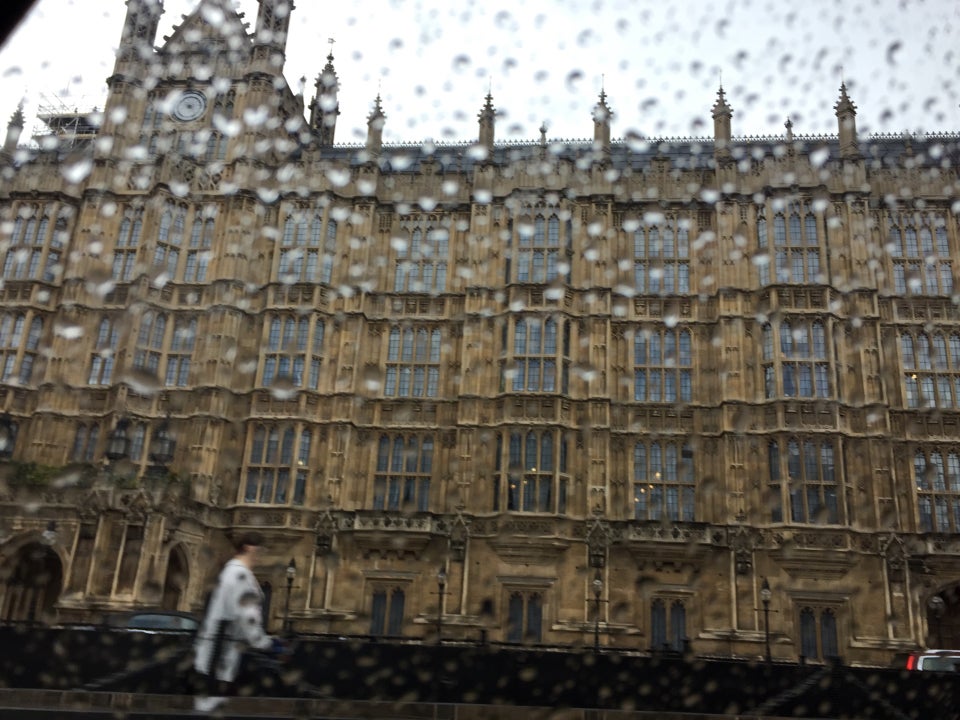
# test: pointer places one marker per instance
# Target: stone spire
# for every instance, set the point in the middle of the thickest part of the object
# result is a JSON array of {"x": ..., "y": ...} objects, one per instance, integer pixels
[
  {"x": 325, "y": 107},
  {"x": 273, "y": 26},
  {"x": 487, "y": 117},
  {"x": 721, "y": 125},
  {"x": 601, "y": 124},
  {"x": 847, "y": 124},
  {"x": 14, "y": 130},
  {"x": 139, "y": 29},
  {"x": 375, "y": 123}
]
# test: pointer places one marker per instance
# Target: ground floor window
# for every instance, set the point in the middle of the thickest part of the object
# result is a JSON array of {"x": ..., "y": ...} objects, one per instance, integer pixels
[
  {"x": 386, "y": 612},
  {"x": 818, "y": 633},
  {"x": 525, "y": 617},
  {"x": 668, "y": 625}
]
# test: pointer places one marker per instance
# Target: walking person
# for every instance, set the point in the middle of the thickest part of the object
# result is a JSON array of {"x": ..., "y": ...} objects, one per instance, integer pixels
[{"x": 233, "y": 622}]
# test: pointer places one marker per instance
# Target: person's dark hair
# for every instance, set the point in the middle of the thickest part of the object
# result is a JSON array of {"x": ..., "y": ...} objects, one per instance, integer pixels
[{"x": 248, "y": 538}]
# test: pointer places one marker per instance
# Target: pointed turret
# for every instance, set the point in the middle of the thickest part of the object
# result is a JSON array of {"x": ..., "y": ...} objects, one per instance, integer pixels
[
  {"x": 488, "y": 118},
  {"x": 139, "y": 30},
  {"x": 721, "y": 125},
  {"x": 325, "y": 106},
  {"x": 543, "y": 140},
  {"x": 847, "y": 124},
  {"x": 270, "y": 39},
  {"x": 14, "y": 130},
  {"x": 601, "y": 124},
  {"x": 375, "y": 123}
]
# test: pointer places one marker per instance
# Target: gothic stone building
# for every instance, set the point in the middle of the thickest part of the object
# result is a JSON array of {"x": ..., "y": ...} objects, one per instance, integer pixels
[{"x": 674, "y": 393}]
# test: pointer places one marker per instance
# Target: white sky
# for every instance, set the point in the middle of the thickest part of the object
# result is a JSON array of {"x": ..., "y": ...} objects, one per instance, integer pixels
[{"x": 659, "y": 61}]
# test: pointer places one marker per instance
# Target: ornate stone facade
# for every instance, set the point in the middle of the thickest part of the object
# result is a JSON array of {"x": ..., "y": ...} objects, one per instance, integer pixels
[{"x": 609, "y": 388}]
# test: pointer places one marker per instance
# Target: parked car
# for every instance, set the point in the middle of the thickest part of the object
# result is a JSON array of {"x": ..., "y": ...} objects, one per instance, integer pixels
[{"x": 929, "y": 660}]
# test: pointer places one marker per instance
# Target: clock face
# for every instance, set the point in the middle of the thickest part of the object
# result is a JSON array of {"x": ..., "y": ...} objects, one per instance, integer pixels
[{"x": 190, "y": 106}]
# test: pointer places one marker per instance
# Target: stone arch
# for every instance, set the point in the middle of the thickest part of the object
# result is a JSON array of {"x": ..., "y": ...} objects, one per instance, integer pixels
[
  {"x": 942, "y": 610},
  {"x": 176, "y": 580},
  {"x": 32, "y": 580}
]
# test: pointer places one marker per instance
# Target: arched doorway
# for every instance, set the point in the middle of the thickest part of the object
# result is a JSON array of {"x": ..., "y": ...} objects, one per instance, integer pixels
[
  {"x": 943, "y": 618},
  {"x": 175, "y": 582},
  {"x": 34, "y": 585}
]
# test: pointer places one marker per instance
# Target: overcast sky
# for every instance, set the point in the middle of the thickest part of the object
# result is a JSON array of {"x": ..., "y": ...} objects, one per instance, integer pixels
[{"x": 659, "y": 62}]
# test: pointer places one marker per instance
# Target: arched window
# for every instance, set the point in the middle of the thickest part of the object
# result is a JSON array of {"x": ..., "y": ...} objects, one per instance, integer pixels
[
  {"x": 104, "y": 354},
  {"x": 292, "y": 354},
  {"x": 413, "y": 362},
  {"x": 277, "y": 465},
  {"x": 802, "y": 367},
  {"x": 921, "y": 266},
  {"x": 813, "y": 486},
  {"x": 537, "y": 477},
  {"x": 937, "y": 482},
  {"x": 663, "y": 482},
  {"x": 403, "y": 474},
  {"x": 539, "y": 347},
  {"x": 524, "y": 617}
]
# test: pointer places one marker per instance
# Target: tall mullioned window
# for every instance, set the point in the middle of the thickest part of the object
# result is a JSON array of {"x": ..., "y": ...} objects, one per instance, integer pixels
[
  {"x": 539, "y": 251},
  {"x": 795, "y": 360},
  {"x": 789, "y": 242},
  {"x": 201, "y": 242},
  {"x": 85, "y": 443},
  {"x": 300, "y": 247},
  {"x": 421, "y": 264},
  {"x": 531, "y": 472},
  {"x": 150, "y": 342},
  {"x": 404, "y": 470},
  {"x": 293, "y": 352},
  {"x": 920, "y": 252},
  {"x": 181, "y": 350},
  {"x": 19, "y": 345},
  {"x": 931, "y": 369},
  {"x": 663, "y": 366},
  {"x": 166, "y": 252},
  {"x": 277, "y": 465},
  {"x": 539, "y": 356},
  {"x": 937, "y": 479},
  {"x": 413, "y": 362},
  {"x": 663, "y": 482},
  {"x": 803, "y": 479},
  {"x": 36, "y": 244},
  {"x": 104, "y": 354},
  {"x": 127, "y": 244},
  {"x": 661, "y": 258}
]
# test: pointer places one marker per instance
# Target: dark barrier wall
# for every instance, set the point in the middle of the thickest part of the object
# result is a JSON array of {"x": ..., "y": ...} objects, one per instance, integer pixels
[{"x": 369, "y": 670}]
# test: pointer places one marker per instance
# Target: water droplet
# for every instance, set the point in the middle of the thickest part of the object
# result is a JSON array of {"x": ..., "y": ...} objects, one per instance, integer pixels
[
  {"x": 819, "y": 156},
  {"x": 142, "y": 381},
  {"x": 284, "y": 387},
  {"x": 268, "y": 195},
  {"x": 371, "y": 379},
  {"x": 478, "y": 152},
  {"x": 77, "y": 170},
  {"x": 338, "y": 176},
  {"x": 709, "y": 195},
  {"x": 68, "y": 330}
]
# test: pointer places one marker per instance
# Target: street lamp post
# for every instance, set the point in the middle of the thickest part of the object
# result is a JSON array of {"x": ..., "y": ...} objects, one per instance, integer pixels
[
  {"x": 291, "y": 574},
  {"x": 765, "y": 596},
  {"x": 441, "y": 590},
  {"x": 597, "y": 592}
]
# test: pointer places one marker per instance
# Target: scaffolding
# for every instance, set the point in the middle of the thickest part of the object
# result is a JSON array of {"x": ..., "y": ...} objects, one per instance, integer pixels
[{"x": 72, "y": 122}]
